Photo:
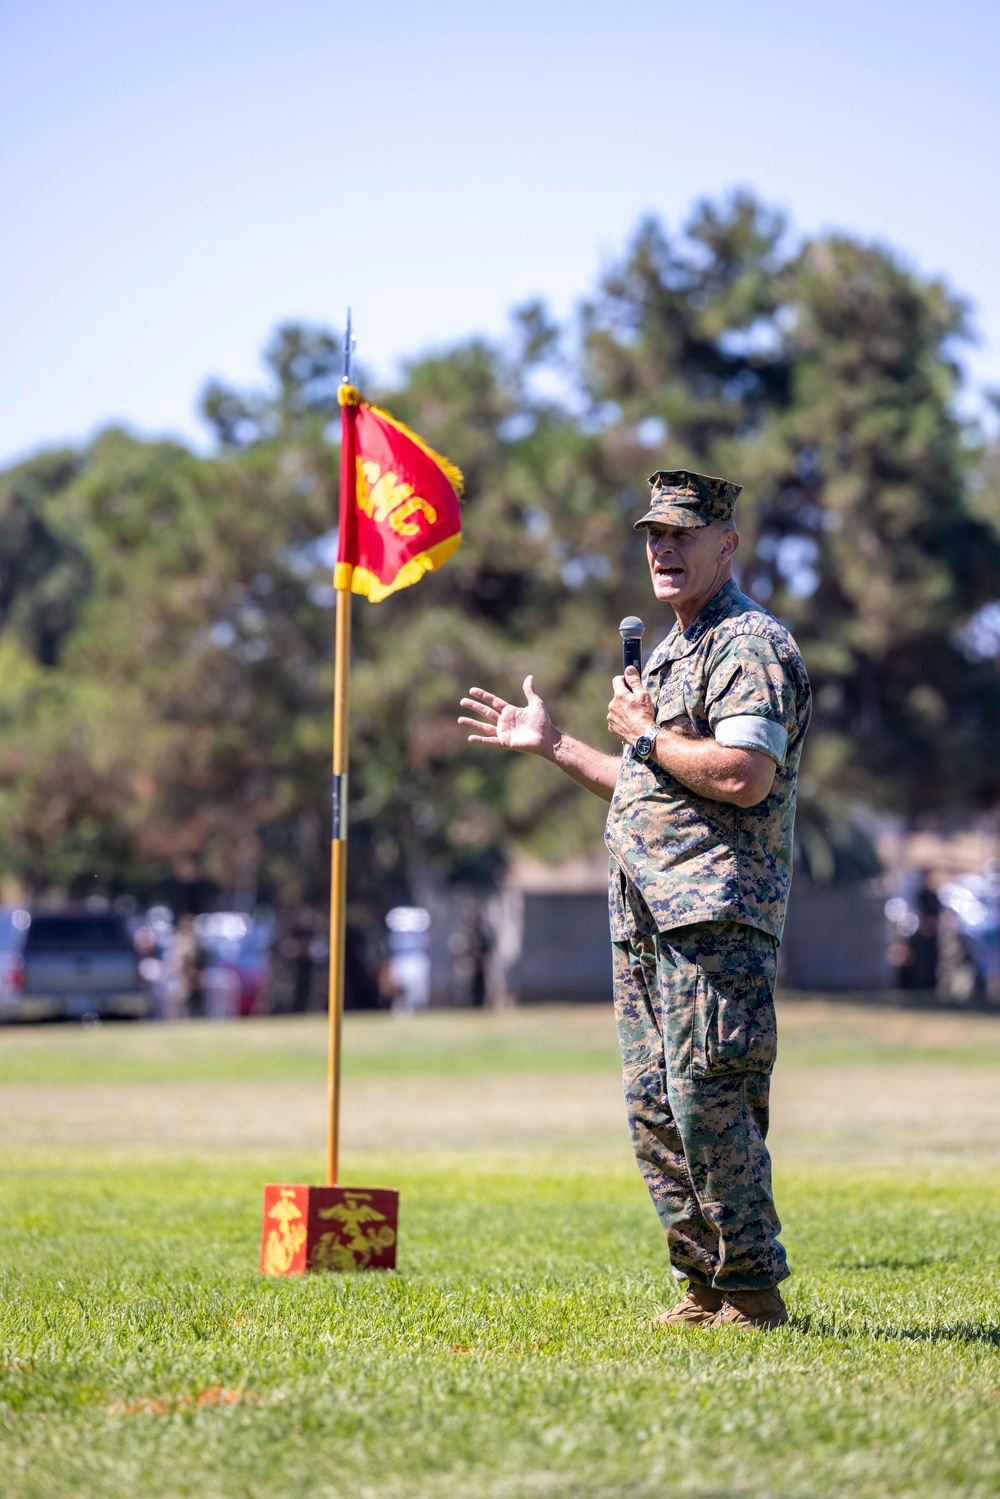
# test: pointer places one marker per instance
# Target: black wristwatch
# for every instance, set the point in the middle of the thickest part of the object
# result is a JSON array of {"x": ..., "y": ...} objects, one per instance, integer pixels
[{"x": 644, "y": 746}]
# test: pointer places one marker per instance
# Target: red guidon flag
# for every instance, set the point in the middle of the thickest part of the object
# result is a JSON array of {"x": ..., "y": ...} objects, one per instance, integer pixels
[{"x": 399, "y": 513}]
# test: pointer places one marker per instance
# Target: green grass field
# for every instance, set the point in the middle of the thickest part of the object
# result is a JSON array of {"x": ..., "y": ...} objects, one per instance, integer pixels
[{"x": 141, "y": 1352}]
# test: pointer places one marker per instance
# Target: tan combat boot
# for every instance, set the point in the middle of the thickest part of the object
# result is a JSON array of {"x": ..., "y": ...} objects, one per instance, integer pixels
[
  {"x": 752, "y": 1309},
  {"x": 697, "y": 1307}
]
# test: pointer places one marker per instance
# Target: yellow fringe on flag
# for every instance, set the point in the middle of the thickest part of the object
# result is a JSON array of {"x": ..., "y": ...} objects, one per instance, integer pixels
[{"x": 360, "y": 580}]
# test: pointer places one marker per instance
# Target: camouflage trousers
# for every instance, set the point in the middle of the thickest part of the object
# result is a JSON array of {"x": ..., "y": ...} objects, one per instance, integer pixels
[{"x": 695, "y": 1014}]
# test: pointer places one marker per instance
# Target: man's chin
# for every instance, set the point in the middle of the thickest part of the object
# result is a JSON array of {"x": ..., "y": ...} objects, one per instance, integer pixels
[{"x": 668, "y": 591}]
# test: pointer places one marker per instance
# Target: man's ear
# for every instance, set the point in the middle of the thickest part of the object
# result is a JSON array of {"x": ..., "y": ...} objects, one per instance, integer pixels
[{"x": 730, "y": 544}]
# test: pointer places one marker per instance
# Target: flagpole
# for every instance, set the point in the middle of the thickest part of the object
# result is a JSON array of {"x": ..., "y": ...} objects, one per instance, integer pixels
[
  {"x": 347, "y": 397},
  {"x": 399, "y": 518},
  {"x": 338, "y": 878}
]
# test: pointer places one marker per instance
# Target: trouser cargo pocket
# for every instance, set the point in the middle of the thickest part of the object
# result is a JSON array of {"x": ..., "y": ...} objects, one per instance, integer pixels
[{"x": 733, "y": 1025}]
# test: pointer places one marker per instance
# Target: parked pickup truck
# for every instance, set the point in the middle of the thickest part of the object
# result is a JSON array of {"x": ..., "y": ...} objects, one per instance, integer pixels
[{"x": 56, "y": 966}]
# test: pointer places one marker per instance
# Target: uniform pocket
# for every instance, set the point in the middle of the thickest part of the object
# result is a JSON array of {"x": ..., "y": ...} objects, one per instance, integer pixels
[
  {"x": 672, "y": 714},
  {"x": 734, "y": 1027}
]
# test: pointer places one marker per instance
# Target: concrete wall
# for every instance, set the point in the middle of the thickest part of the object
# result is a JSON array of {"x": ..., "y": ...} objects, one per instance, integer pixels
[
  {"x": 565, "y": 951},
  {"x": 835, "y": 939},
  {"x": 540, "y": 947}
]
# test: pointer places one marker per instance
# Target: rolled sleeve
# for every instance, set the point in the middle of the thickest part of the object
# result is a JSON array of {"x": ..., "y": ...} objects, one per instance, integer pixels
[
  {"x": 751, "y": 698},
  {"x": 754, "y": 733}
]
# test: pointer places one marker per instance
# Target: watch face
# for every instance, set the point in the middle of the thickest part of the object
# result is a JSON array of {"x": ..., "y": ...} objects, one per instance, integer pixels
[{"x": 644, "y": 746}]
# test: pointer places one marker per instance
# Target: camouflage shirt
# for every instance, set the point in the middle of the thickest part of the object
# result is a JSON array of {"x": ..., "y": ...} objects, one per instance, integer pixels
[{"x": 735, "y": 674}]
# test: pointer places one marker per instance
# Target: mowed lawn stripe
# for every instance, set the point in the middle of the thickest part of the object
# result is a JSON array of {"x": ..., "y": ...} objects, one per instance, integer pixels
[{"x": 565, "y": 1038}]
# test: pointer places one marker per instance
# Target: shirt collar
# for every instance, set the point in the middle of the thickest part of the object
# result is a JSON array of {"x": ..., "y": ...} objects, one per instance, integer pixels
[{"x": 682, "y": 642}]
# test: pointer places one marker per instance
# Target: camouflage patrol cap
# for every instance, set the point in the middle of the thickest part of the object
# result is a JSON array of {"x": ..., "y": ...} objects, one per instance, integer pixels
[{"x": 681, "y": 498}]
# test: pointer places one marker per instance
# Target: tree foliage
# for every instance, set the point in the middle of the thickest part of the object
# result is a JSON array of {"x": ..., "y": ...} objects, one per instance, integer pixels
[
  {"x": 825, "y": 381},
  {"x": 167, "y": 618}
]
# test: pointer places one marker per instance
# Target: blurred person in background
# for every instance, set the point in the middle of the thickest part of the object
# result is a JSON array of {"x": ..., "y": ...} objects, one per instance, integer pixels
[
  {"x": 922, "y": 969},
  {"x": 469, "y": 946},
  {"x": 361, "y": 982},
  {"x": 406, "y": 978},
  {"x": 969, "y": 935},
  {"x": 915, "y": 949},
  {"x": 184, "y": 962},
  {"x": 298, "y": 976},
  {"x": 151, "y": 966},
  {"x": 700, "y": 834},
  {"x": 296, "y": 948}
]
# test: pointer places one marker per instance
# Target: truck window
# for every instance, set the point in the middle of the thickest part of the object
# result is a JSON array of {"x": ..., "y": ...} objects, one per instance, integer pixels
[{"x": 75, "y": 932}]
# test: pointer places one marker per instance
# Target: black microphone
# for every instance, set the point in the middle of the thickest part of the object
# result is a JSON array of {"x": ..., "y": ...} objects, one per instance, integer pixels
[{"x": 631, "y": 631}]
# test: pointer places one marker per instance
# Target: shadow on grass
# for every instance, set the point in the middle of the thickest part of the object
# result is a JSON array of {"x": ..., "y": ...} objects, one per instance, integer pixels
[{"x": 949, "y": 1332}]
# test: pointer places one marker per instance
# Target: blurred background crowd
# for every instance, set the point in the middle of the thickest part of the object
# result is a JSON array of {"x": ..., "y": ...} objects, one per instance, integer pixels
[{"x": 111, "y": 960}]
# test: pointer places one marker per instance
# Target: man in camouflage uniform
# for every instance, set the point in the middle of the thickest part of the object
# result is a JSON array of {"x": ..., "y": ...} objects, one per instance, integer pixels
[{"x": 700, "y": 834}]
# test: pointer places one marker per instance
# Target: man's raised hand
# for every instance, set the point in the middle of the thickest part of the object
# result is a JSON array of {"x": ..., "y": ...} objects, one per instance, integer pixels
[{"x": 528, "y": 729}]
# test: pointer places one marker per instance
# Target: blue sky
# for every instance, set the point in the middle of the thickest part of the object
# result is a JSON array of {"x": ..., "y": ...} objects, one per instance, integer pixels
[{"x": 176, "y": 179}]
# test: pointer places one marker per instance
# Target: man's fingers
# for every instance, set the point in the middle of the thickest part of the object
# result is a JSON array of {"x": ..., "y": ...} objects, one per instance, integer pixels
[
  {"x": 468, "y": 702},
  {"x": 529, "y": 689},
  {"x": 480, "y": 739},
  {"x": 477, "y": 723},
  {"x": 629, "y": 685},
  {"x": 487, "y": 697}
]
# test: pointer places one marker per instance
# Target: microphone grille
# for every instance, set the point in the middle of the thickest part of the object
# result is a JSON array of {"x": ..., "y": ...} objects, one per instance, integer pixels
[{"x": 631, "y": 627}]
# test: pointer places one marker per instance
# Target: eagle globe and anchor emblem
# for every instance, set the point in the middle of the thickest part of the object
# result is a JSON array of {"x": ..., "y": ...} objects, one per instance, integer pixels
[{"x": 328, "y": 1228}]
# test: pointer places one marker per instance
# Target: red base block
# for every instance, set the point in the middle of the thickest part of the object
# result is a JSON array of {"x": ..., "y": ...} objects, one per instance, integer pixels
[{"x": 328, "y": 1228}]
